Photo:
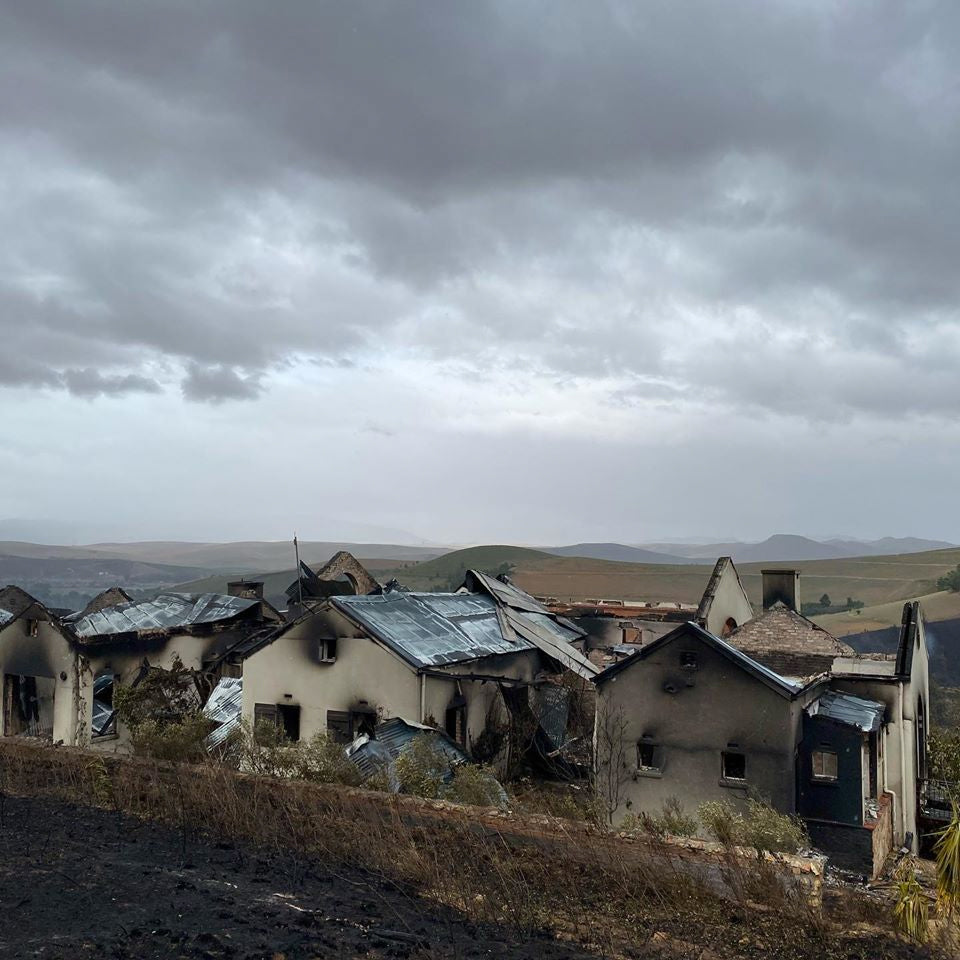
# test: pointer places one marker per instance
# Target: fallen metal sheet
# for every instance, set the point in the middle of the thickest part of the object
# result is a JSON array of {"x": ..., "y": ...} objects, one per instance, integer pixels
[
  {"x": 103, "y": 715},
  {"x": 865, "y": 715},
  {"x": 224, "y": 706},
  {"x": 392, "y": 739}
]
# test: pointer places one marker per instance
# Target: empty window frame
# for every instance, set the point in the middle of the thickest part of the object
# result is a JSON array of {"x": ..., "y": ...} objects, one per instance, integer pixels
[
  {"x": 327, "y": 649},
  {"x": 649, "y": 756},
  {"x": 288, "y": 715},
  {"x": 734, "y": 765},
  {"x": 338, "y": 725},
  {"x": 455, "y": 722},
  {"x": 824, "y": 764}
]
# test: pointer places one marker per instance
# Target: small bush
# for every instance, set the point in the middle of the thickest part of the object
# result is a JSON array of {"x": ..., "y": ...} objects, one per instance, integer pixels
[
  {"x": 762, "y": 828},
  {"x": 475, "y": 785},
  {"x": 912, "y": 908},
  {"x": 422, "y": 767},
  {"x": 266, "y": 751},
  {"x": 569, "y": 802},
  {"x": 721, "y": 822},
  {"x": 672, "y": 821},
  {"x": 180, "y": 741}
]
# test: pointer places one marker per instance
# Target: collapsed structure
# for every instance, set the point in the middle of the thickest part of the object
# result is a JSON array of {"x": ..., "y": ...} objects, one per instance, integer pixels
[
  {"x": 472, "y": 663},
  {"x": 59, "y": 671},
  {"x": 699, "y": 703}
]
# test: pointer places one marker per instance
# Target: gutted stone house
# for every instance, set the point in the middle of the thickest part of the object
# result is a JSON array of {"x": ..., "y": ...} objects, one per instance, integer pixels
[
  {"x": 465, "y": 662},
  {"x": 780, "y": 711},
  {"x": 614, "y": 624},
  {"x": 59, "y": 672}
]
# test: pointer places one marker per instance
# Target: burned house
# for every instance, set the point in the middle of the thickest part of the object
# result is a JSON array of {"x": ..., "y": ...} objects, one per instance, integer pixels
[
  {"x": 613, "y": 628},
  {"x": 780, "y": 711},
  {"x": 39, "y": 670},
  {"x": 464, "y": 662},
  {"x": 341, "y": 575},
  {"x": 60, "y": 672}
]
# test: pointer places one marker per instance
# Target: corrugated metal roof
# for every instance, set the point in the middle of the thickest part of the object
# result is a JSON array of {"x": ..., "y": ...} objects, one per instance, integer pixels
[
  {"x": 224, "y": 706},
  {"x": 393, "y": 738},
  {"x": 866, "y": 715},
  {"x": 5, "y": 616},
  {"x": 163, "y": 612},
  {"x": 433, "y": 629}
]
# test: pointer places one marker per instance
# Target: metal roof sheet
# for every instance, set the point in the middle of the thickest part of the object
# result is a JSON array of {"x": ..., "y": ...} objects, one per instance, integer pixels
[
  {"x": 5, "y": 616},
  {"x": 163, "y": 612},
  {"x": 866, "y": 715},
  {"x": 224, "y": 706},
  {"x": 433, "y": 629}
]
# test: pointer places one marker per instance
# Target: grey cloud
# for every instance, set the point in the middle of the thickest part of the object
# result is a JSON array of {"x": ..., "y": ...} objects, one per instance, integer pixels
[
  {"x": 92, "y": 383},
  {"x": 216, "y": 384},
  {"x": 524, "y": 185}
]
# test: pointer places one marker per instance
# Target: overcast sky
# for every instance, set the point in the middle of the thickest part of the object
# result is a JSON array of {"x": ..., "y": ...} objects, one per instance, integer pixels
[{"x": 525, "y": 271}]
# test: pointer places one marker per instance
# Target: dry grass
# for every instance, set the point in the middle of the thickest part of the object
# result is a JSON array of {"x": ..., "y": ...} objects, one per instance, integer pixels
[{"x": 529, "y": 873}]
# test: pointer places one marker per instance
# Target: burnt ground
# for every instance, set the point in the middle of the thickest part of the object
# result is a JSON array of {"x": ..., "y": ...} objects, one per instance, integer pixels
[{"x": 81, "y": 882}]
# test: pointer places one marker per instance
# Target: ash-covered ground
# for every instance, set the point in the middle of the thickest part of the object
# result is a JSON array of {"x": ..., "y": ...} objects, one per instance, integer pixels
[{"x": 79, "y": 882}]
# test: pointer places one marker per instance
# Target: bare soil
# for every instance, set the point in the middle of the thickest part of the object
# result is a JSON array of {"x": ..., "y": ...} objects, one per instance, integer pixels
[{"x": 82, "y": 882}]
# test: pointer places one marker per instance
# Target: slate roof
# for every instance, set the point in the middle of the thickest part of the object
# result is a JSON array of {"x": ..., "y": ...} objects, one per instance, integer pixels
[
  {"x": 788, "y": 642},
  {"x": 786, "y": 686},
  {"x": 165, "y": 611},
  {"x": 865, "y": 715}
]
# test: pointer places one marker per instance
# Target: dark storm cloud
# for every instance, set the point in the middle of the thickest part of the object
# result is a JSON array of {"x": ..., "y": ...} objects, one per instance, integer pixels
[{"x": 753, "y": 203}]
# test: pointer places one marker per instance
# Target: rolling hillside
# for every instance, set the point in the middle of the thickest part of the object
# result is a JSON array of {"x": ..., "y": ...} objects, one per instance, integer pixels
[
  {"x": 783, "y": 547},
  {"x": 617, "y": 551},
  {"x": 874, "y": 580}
]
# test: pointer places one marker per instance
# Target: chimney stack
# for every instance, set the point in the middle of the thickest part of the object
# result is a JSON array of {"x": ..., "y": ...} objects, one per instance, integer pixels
[
  {"x": 246, "y": 589},
  {"x": 782, "y": 585}
]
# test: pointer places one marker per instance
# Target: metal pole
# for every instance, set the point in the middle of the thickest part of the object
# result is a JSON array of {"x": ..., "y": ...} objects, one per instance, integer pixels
[{"x": 296, "y": 550}]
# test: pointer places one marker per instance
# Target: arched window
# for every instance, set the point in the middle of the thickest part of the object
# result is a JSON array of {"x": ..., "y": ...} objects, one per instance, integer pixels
[{"x": 729, "y": 627}]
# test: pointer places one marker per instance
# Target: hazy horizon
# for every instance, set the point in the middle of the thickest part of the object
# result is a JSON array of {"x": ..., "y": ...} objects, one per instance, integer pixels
[{"x": 517, "y": 272}]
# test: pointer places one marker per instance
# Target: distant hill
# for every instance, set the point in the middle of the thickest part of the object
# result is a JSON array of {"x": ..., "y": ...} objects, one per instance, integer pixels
[
  {"x": 239, "y": 557},
  {"x": 71, "y": 582},
  {"x": 783, "y": 547},
  {"x": 619, "y": 552}
]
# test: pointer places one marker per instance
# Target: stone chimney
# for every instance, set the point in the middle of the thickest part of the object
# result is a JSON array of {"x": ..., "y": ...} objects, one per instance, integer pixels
[
  {"x": 246, "y": 589},
  {"x": 782, "y": 585}
]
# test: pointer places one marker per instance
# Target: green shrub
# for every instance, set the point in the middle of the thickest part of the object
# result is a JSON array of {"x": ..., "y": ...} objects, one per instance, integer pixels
[
  {"x": 762, "y": 827},
  {"x": 672, "y": 821},
  {"x": 422, "y": 767},
  {"x": 265, "y": 750},
  {"x": 474, "y": 785},
  {"x": 912, "y": 908},
  {"x": 181, "y": 741},
  {"x": 721, "y": 822}
]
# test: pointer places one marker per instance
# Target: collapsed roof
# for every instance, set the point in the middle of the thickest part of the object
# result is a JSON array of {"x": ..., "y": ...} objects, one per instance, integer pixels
[
  {"x": 865, "y": 715},
  {"x": 437, "y": 629},
  {"x": 166, "y": 611}
]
